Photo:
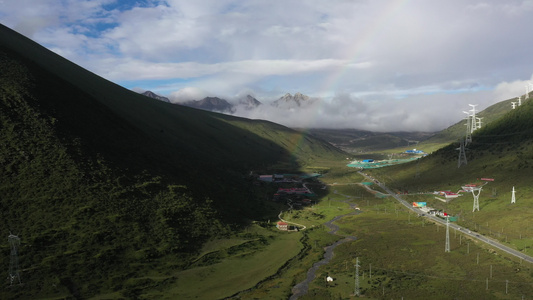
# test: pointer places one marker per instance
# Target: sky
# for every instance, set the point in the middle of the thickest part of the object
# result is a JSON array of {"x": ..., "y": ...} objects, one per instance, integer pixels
[{"x": 396, "y": 65}]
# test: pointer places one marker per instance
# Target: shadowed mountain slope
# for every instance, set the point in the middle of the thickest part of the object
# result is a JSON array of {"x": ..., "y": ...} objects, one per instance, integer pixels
[{"x": 102, "y": 184}]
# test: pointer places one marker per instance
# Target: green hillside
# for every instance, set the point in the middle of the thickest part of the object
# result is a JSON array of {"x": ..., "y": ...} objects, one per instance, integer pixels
[
  {"x": 361, "y": 141},
  {"x": 458, "y": 130},
  {"x": 502, "y": 150},
  {"x": 105, "y": 186}
]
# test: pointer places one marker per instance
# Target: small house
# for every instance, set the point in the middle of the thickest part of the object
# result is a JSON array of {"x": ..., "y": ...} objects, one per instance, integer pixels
[{"x": 282, "y": 226}]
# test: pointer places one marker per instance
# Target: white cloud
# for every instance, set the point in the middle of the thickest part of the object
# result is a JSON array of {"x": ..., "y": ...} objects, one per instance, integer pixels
[
  {"x": 508, "y": 90},
  {"x": 188, "y": 94},
  {"x": 393, "y": 54}
]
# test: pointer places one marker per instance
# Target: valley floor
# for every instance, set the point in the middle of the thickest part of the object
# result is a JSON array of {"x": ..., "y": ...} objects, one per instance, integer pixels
[{"x": 400, "y": 254}]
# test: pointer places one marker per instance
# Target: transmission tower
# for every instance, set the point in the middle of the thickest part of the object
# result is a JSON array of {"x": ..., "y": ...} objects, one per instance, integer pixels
[
  {"x": 447, "y": 247},
  {"x": 462, "y": 154},
  {"x": 513, "y": 104},
  {"x": 474, "y": 120},
  {"x": 468, "y": 124},
  {"x": 476, "y": 198},
  {"x": 519, "y": 100},
  {"x": 14, "y": 271},
  {"x": 356, "y": 291},
  {"x": 479, "y": 122},
  {"x": 513, "y": 199}
]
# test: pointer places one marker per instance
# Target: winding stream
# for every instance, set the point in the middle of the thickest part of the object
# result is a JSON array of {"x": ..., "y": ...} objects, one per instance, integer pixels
[{"x": 302, "y": 288}]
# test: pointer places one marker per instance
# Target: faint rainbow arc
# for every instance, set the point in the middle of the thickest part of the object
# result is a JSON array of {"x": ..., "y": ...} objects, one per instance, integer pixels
[
  {"x": 356, "y": 48},
  {"x": 358, "y": 45}
]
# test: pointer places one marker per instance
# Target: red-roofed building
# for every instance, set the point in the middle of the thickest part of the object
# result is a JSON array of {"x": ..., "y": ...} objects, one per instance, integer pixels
[{"x": 282, "y": 226}]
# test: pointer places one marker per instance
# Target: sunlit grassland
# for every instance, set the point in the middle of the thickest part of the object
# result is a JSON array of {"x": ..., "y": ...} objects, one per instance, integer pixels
[
  {"x": 331, "y": 203},
  {"x": 407, "y": 259},
  {"x": 280, "y": 285},
  {"x": 497, "y": 217},
  {"x": 237, "y": 266}
]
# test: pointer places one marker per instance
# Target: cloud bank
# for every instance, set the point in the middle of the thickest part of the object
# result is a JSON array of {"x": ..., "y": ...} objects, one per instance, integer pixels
[{"x": 376, "y": 64}]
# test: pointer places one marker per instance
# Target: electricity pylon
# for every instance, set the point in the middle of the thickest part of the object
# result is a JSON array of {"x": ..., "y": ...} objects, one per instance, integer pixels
[
  {"x": 513, "y": 199},
  {"x": 468, "y": 124},
  {"x": 462, "y": 154},
  {"x": 474, "y": 120},
  {"x": 476, "y": 198},
  {"x": 479, "y": 122}
]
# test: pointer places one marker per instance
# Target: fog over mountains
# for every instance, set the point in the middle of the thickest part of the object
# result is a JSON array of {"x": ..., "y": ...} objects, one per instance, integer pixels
[
  {"x": 343, "y": 111},
  {"x": 296, "y": 110}
]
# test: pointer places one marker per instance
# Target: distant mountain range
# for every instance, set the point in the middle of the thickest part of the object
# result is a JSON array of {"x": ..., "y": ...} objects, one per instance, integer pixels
[
  {"x": 353, "y": 140},
  {"x": 156, "y": 96},
  {"x": 211, "y": 104},
  {"x": 216, "y": 104},
  {"x": 293, "y": 101},
  {"x": 249, "y": 102}
]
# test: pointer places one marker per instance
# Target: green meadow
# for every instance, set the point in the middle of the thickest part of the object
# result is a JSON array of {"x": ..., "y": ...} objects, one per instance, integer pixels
[{"x": 402, "y": 255}]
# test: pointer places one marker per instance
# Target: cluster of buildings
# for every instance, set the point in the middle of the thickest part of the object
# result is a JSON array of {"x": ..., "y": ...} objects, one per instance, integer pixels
[
  {"x": 448, "y": 195},
  {"x": 433, "y": 212},
  {"x": 467, "y": 188},
  {"x": 294, "y": 197},
  {"x": 292, "y": 191},
  {"x": 414, "y": 151}
]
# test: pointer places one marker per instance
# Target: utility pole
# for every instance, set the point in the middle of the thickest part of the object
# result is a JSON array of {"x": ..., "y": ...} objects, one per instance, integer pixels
[
  {"x": 447, "y": 247},
  {"x": 356, "y": 291},
  {"x": 506, "y": 285},
  {"x": 14, "y": 271}
]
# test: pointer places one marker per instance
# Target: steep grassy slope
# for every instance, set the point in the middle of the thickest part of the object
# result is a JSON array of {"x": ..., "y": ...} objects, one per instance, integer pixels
[{"x": 104, "y": 185}]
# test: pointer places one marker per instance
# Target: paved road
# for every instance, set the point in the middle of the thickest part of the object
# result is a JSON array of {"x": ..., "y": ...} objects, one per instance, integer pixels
[{"x": 472, "y": 234}]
